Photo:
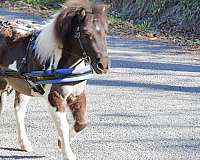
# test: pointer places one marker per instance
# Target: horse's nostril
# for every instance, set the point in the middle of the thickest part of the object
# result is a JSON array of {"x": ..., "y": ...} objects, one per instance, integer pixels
[{"x": 100, "y": 66}]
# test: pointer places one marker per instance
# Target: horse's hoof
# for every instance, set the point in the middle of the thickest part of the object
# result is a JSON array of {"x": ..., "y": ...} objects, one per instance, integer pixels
[
  {"x": 70, "y": 157},
  {"x": 26, "y": 147},
  {"x": 73, "y": 157}
]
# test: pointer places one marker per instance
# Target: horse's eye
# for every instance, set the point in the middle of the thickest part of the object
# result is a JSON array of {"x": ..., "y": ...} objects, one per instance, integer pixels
[
  {"x": 90, "y": 36},
  {"x": 87, "y": 35},
  {"x": 85, "y": 31}
]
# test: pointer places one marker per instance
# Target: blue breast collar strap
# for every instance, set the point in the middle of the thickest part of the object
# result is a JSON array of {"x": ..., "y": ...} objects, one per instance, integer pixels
[
  {"x": 65, "y": 75},
  {"x": 67, "y": 80}
]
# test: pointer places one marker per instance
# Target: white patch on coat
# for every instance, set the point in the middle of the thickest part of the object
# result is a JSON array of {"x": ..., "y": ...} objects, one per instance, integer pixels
[
  {"x": 47, "y": 45},
  {"x": 75, "y": 89},
  {"x": 21, "y": 31},
  {"x": 20, "y": 111},
  {"x": 13, "y": 66},
  {"x": 98, "y": 28},
  {"x": 62, "y": 126}
]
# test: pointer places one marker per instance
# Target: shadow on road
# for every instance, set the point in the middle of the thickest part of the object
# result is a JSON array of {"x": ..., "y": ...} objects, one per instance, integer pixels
[
  {"x": 15, "y": 156},
  {"x": 166, "y": 143},
  {"x": 154, "y": 66},
  {"x": 125, "y": 115},
  {"x": 132, "y": 125},
  {"x": 11, "y": 149},
  {"x": 150, "y": 66},
  {"x": 21, "y": 157},
  {"x": 144, "y": 85},
  {"x": 145, "y": 46}
]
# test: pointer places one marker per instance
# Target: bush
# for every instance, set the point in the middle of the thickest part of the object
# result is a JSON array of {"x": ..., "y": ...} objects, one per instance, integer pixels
[{"x": 41, "y": 2}]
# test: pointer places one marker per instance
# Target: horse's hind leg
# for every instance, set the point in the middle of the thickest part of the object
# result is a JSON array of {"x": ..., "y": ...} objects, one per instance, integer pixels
[
  {"x": 58, "y": 113},
  {"x": 20, "y": 108},
  {"x": 3, "y": 95},
  {"x": 77, "y": 105},
  {"x": 3, "y": 92}
]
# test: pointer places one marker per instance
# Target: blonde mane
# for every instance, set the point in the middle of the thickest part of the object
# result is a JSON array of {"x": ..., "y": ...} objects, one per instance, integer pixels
[{"x": 47, "y": 45}]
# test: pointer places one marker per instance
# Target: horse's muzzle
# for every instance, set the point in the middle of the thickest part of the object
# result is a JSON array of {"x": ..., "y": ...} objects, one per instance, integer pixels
[{"x": 101, "y": 65}]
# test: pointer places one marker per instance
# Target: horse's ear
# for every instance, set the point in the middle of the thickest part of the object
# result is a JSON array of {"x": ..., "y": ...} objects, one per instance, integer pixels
[
  {"x": 101, "y": 9},
  {"x": 104, "y": 8}
]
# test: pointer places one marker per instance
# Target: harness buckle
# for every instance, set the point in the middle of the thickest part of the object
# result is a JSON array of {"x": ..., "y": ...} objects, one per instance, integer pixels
[
  {"x": 86, "y": 58},
  {"x": 9, "y": 91},
  {"x": 5, "y": 24},
  {"x": 77, "y": 34}
]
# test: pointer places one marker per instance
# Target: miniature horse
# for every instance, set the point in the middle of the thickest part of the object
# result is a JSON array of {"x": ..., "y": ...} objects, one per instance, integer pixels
[{"x": 57, "y": 45}]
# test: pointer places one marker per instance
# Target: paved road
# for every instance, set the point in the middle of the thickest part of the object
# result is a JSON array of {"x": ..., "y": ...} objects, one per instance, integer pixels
[
  {"x": 146, "y": 108},
  {"x": 19, "y": 15}
]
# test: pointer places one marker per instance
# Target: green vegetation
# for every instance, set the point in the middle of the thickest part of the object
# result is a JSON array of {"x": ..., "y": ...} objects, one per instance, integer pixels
[
  {"x": 193, "y": 41},
  {"x": 188, "y": 10},
  {"x": 142, "y": 26},
  {"x": 190, "y": 4},
  {"x": 41, "y": 2},
  {"x": 117, "y": 21}
]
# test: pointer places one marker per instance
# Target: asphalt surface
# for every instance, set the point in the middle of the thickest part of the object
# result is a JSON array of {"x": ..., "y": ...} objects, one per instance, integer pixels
[
  {"x": 146, "y": 108},
  {"x": 8, "y": 15}
]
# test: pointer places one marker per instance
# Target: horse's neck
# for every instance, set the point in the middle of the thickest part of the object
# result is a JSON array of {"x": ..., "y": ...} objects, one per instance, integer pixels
[
  {"x": 67, "y": 60},
  {"x": 14, "y": 52},
  {"x": 69, "y": 55}
]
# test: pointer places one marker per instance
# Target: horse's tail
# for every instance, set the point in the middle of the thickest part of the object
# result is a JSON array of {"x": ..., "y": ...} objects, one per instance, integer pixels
[{"x": 3, "y": 95}]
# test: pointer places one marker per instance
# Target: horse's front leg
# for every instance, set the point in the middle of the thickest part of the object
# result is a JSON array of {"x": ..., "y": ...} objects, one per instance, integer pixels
[
  {"x": 58, "y": 112},
  {"x": 77, "y": 105},
  {"x": 20, "y": 108}
]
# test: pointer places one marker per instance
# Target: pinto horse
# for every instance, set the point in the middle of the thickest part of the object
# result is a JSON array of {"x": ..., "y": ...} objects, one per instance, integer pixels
[{"x": 77, "y": 33}]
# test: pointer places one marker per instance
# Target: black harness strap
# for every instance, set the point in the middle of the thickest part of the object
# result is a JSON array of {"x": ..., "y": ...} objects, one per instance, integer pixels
[
  {"x": 4, "y": 24},
  {"x": 77, "y": 35},
  {"x": 29, "y": 50},
  {"x": 84, "y": 57}
]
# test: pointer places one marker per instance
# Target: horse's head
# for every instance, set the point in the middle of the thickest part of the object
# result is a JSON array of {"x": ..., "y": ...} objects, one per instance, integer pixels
[
  {"x": 82, "y": 30},
  {"x": 93, "y": 36}
]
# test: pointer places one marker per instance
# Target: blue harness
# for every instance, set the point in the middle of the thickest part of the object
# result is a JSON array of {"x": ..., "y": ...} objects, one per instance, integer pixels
[{"x": 65, "y": 75}]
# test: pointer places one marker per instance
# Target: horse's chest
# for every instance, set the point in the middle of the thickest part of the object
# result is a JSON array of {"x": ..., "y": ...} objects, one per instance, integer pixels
[{"x": 67, "y": 90}]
